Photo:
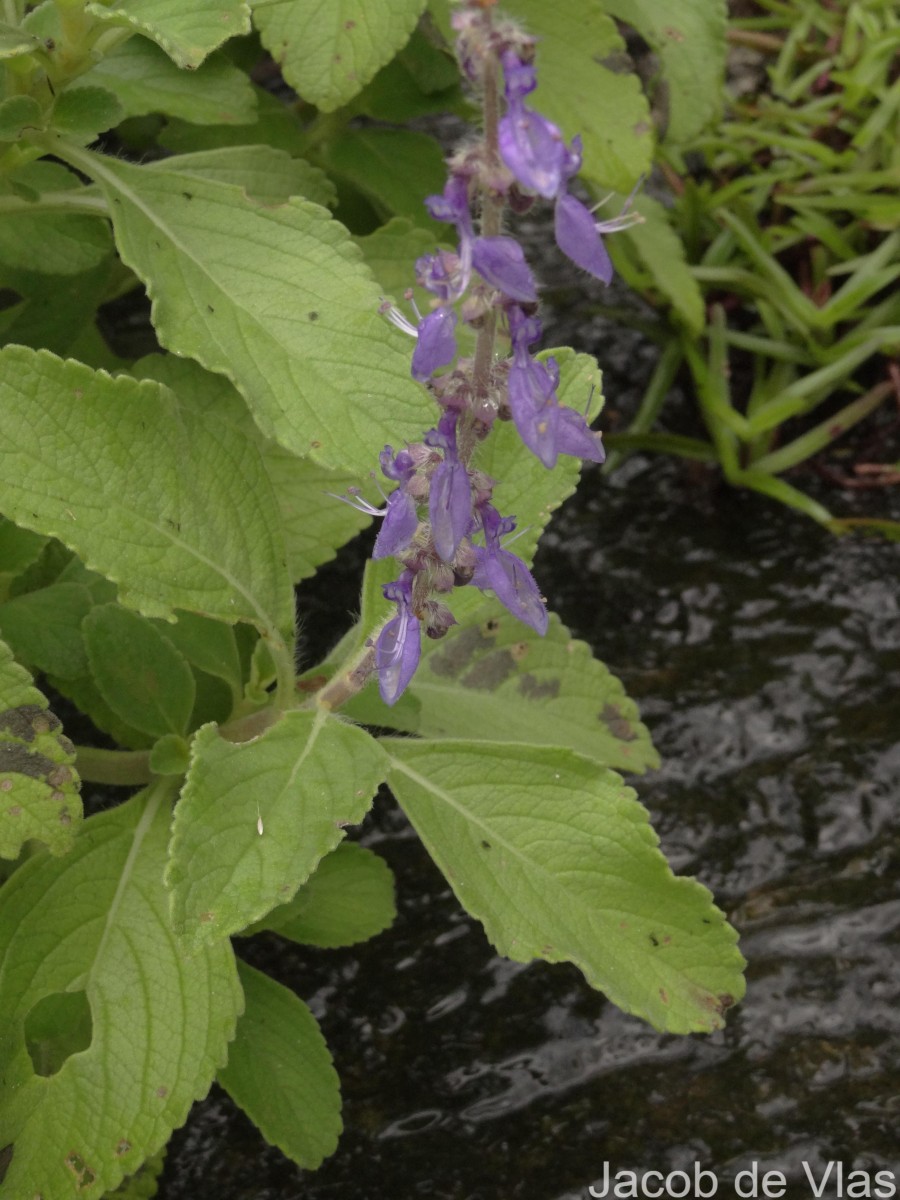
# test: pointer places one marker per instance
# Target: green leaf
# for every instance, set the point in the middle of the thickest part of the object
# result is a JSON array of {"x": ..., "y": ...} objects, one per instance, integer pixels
[
  {"x": 51, "y": 243},
  {"x": 276, "y": 125},
  {"x": 420, "y": 81},
  {"x": 38, "y": 784},
  {"x": 584, "y": 95},
  {"x": 142, "y": 677},
  {"x": 278, "y": 300},
  {"x": 303, "y": 781},
  {"x": 558, "y": 860},
  {"x": 689, "y": 37},
  {"x": 209, "y": 645},
  {"x": 17, "y": 114},
  {"x": 349, "y": 899},
  {"x": 19, "y": 548},
  {"x": 174, "y": 507},
  {"x": 394, "y": 168},
  {"x": 390, "y": 253},
  {"x": 84, "y": 112},
  {"x": 187, "y": 32},
  {"x": 97, "y": 922},
  {"x": 314, "y": 523},
  {"x": 145, "y": 80},
  {"x": 494, "y": 673},
  {"x": 328, "y": 51},
  {"x": 44, "y": 628},
  {"x": 281, "y": 1074},
  {"x": 265, "y": 174},
  {"x": 15, "y": 42},
  {"x": 85, "y": 695},
  {"x": 56, "y": 310},
  {"x": 662, "y": 254},
  {"x": 144, "y": 1183},
  {"x": 171, "y": 755}
]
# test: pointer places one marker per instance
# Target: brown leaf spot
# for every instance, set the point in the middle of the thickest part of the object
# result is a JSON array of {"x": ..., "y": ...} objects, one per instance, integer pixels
[
  {"x": 519, "y": 650},
  {"x": 611, "y": 716},
  {"x": 349, "y": 24},
  {"x": 65, "y": 817},
  {"x": 59, "y": 777},
  {"x": 162, "y": 1092},
  {"x": 123, "y": 1147},
  {"x": 490, "y": 671},
  {"x": 6, "y": 785},
  {"x": 531, "y": 689},
  {"x": 673, "y": 34},
  {"x": 664, "y": 995},
  {"x": 313, "y": 684},
  {"x": 207, "y": 917},
  {"x": 316, "y": 445},
  {"x": 457, "y": 652},
  {"x": 15, "y": 811}
]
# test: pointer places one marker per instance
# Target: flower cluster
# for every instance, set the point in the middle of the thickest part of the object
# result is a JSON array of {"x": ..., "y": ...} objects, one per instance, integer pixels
[{"x": 440, "y": 522}]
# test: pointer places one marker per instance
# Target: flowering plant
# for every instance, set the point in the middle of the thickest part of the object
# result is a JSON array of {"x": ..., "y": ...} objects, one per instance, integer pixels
[{"x": 159, "y": 509}]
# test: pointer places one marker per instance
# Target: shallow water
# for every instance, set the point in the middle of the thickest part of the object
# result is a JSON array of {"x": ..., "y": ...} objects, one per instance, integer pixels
[{"x": 766, "y": 658}]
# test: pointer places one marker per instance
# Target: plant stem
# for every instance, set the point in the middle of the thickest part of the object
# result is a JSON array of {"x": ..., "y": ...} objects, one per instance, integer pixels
[{"x": 491, "y": 224}]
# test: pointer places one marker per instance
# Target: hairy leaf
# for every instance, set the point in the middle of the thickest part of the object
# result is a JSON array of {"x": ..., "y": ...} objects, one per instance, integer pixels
[
  {"x": 52, "y": 243},
  {"x": 38, "y": 783},
  {"x": 266, "y": 174},
  {"x": 277, "y": 299},
  {"x": 96, "y": 922},
  {"x": 349, "y": 899},
  {"x": 303, "y": 780},
  {"x": 329, "y": 49},
  {"x": 145, "y": 80},
  {"x": 174, "y": 507},
  {"x": 85, "y": 112},
  {"x": 188, "y": 32},
  {"x": 142, "y": 677},
  {"x": 558, "y": 860},
  {"x": 494, "y": 673},
  {"x": 280, "y": 1072}
]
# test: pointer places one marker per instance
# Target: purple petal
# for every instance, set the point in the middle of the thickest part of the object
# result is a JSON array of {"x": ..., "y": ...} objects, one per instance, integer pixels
[
  {"x": 436, "y": 344},
  {"x": 449, "y": 507},
  {"x": 453, "y": 205},
  {"x": 513, "y": 585},
  {"x": 574, "y": 436},
  {"x": 399, "y": 466},
  {"x": 577, "y": 237},
  {"x": 519, "y": 78},
  {"x": 399, "y": 527},
  {"x": 501, "y": 261},
  {"x": 533, "y": 149},
  {"x": 397, "y": 654}
]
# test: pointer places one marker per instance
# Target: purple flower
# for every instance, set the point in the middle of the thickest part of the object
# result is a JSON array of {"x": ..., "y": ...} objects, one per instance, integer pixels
[
  {"x": 399, "y": 644},
  {"x": 505, "y": 575},
  {"x": 501, "y": 261},
  {"x": 435, "y": 344},
  {"x": 400, "y": 524},
  {"x": 450, "y": 498},
  {"x": 578, "y": 238},
  {"x": 531, "y": 146}
]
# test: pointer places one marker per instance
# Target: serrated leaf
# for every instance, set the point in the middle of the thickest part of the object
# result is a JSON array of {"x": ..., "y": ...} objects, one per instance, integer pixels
[
  {"x": 207, "y": 644},
  {"x": 173, "y": 507},
  {"x": 44, "y": 628},
  {"x": 264, "y": 173},
  {"x": 661, "y": 253},
  {"x": 349, "y": 899},
  {"x": 142, "y": 677},
  {"x": 394, "y": 168},
  {"x": 145, "y": 80},
  {"x": 495, "y": 674},
  {"x": 278, "y": 300},
  {"x": 51, "y": 243},
  {"x": 689, "y": 37},
  {"x": 171, "y": 755},
  {"x": 84, "y": 112},
  {"x": 96, "y": 921},
  {"x": 558, "y": 860},
  {"x": 85, "y": 695},
  {"x": 304, "y": 780},
  {"x": 280, "y": 1072},
  {"x": 187, "y": 32},
  {"x": 421, "y": 80},
  {"x": 17, "y": 114},
  {"x": 583, "y": 95},
  {"x": 314, "y": 523},
  {"x": 144, "y": 1183},
  {"x": 329, "y": 49},
  {"x": 38, "y": 783}
]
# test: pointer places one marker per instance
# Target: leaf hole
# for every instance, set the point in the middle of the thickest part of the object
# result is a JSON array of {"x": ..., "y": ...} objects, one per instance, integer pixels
[{"x": 57, "y": 1027}]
